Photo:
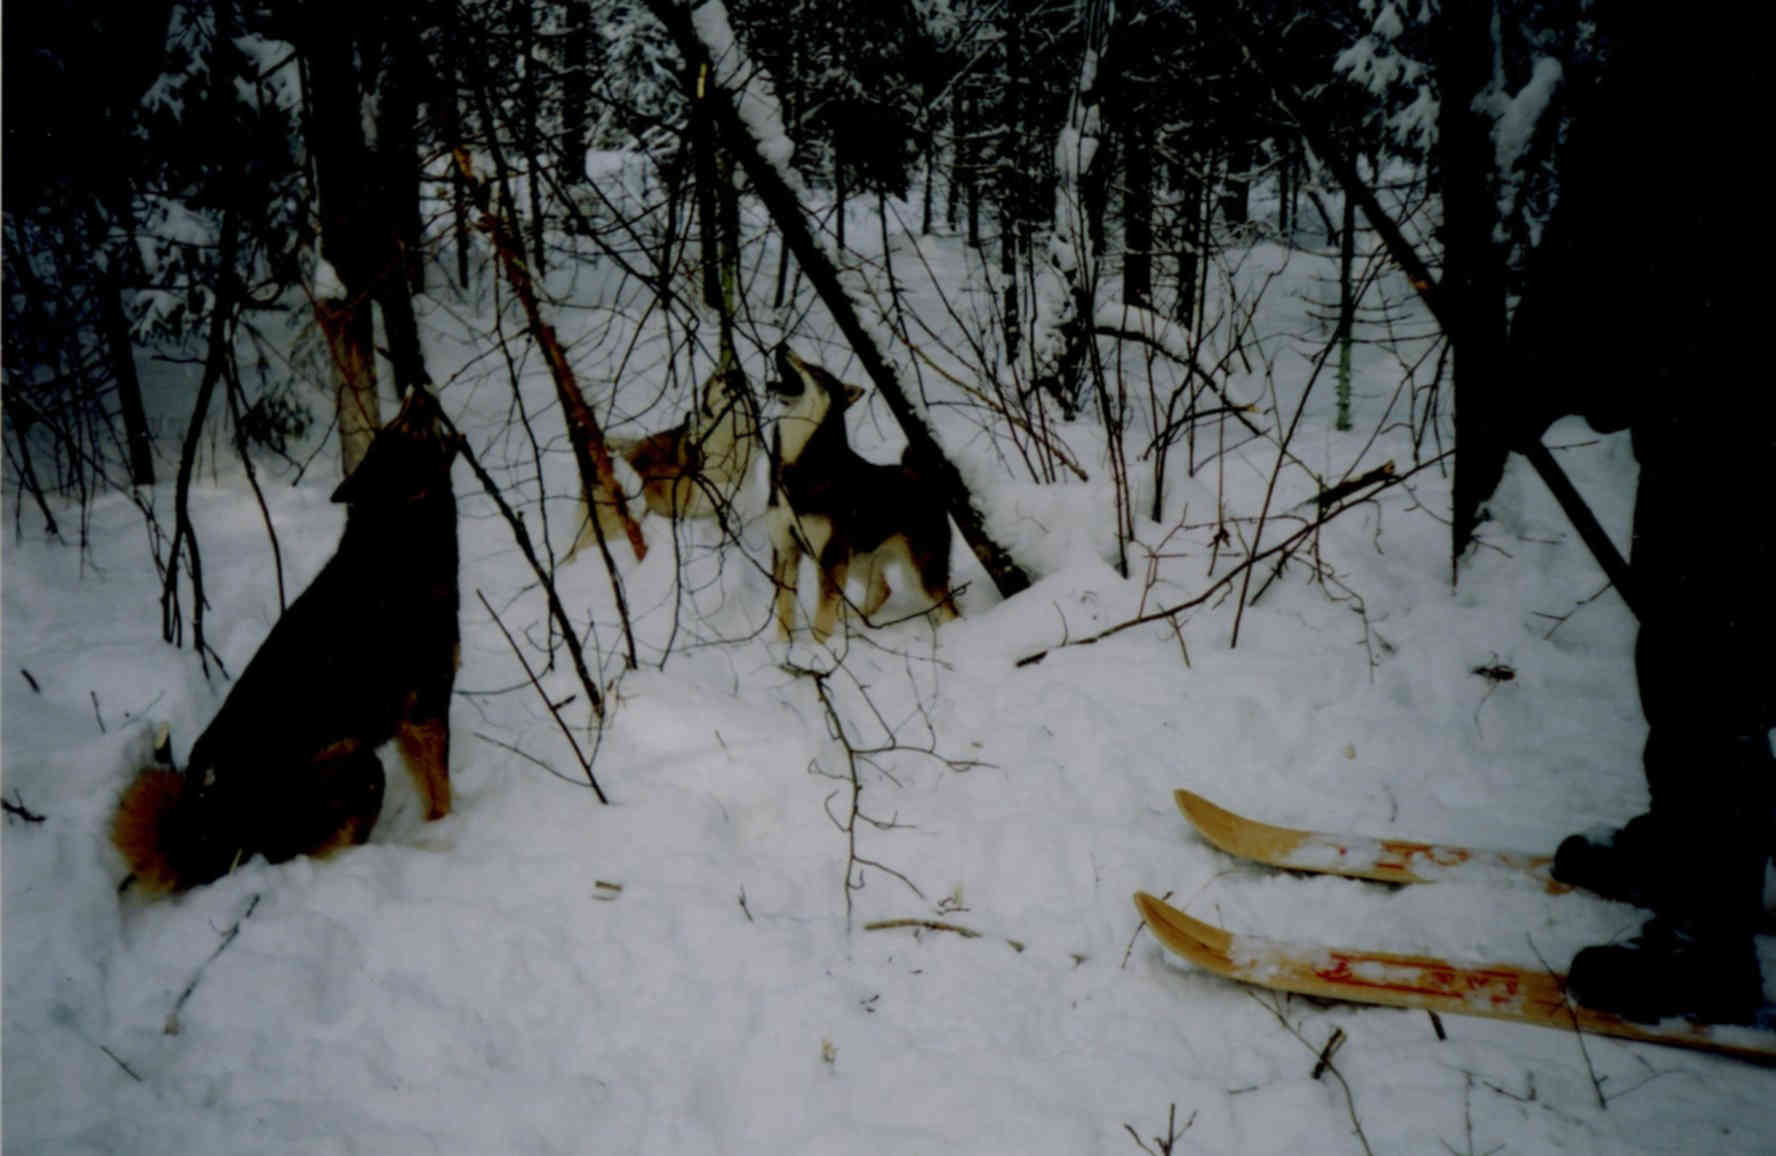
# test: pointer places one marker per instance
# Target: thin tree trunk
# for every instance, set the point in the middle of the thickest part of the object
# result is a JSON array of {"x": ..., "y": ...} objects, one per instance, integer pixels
[
  {"x": 1347, "y": 310},
  {"x": 598, "y": 478},
  {"x": 1473, "y": 285},
  {"x": 1068, "y": 275},
  {"x": 1188, "y": 228},
  {"x": 1236, "y": 196},
  {"x": 1137, "y": 211},
  {"x": 21, "y": 436},
  {"x": 402, "y": 270},
  {"x": 448, "y": 110},
  {"x": 576, "y": 92},
  {"x": 530, "y": 90},
  {"x": 839, "y": 192},
  {"x": 129, "y": 385},
  {"x": 348, "y": 238}
]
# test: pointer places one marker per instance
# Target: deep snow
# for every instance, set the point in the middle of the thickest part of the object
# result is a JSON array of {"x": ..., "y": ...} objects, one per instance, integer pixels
[{"x": 677, "y": 972}]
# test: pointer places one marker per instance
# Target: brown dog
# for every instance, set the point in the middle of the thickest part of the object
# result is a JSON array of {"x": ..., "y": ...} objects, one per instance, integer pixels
[
  {"x": 693, "y": 469},
  {"x": 367, "y": 653},
  {"x": 829, "y": 502}
]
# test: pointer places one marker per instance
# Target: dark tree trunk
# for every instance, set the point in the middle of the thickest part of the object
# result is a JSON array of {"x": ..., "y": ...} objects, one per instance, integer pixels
[
  {"x": 576, "y": 91},
  {"x": 129, "y": 385},
  {"x": 1191, "y": 230},
  {"x": 530, "y": 93},
  {"x": 703, "y": 167},
  {"x": 1347, "y": 309},
  {"x": 1137, "y": 209},
  {"x": 447, "y": 112},
  {"x": 350, "y": 240},
  {"x": 401, "y": 271},
  {"x": 1473, "y": 288},
  {"x": 1285, "y": 192},
  {"x": 967, "y": 170},
  {"x": 1236, "y": 195},
  {"x": 839, "y": 190}
]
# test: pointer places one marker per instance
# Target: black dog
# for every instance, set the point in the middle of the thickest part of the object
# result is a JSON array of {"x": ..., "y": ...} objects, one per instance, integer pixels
[{"x": 366, "y": 654}]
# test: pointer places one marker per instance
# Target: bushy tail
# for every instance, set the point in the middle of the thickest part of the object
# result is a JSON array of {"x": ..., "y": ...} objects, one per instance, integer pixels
[{"x": 141, "y": 829}]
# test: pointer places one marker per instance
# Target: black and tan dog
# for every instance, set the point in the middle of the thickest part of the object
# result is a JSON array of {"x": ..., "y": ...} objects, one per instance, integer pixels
[
  {"x": 829, "y": 502},
  {"x": 366, "y": 654}
]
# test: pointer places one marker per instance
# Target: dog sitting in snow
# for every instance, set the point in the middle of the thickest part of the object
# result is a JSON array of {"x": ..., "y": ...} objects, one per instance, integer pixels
[
  {"x": 829, "y": 502},
  {"x": 367, "y": 653}
]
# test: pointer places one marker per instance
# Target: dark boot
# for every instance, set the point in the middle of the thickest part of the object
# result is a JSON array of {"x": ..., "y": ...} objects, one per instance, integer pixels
[
  {"x": 1630, "y": 865},
  {"x": 1669, "y": 971}
]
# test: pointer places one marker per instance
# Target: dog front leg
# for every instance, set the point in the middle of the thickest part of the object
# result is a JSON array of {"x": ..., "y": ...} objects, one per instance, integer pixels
[
  {"x": 424, "y": 741},
  {"x": 786, "y": 561},
  {"x": 832, "y": 596}
]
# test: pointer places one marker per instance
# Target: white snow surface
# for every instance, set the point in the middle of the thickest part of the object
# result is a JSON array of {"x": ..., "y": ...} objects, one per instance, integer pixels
[{"x": 677, "y": 972}]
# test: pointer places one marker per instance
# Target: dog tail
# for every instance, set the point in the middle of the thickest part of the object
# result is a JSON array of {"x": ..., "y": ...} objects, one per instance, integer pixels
[{"x": 141, "y": 829}]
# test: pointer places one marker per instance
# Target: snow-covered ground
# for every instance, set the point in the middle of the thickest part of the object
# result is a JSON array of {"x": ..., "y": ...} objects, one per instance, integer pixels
[{"x": 685, "y": 970}]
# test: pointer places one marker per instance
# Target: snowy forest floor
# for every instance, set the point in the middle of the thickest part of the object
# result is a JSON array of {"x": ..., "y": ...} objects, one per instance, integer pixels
[{"x": 686, "y": 970}]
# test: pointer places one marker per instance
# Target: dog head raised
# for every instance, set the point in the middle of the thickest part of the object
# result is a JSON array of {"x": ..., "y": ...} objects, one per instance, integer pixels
[
  {"x": 409, "y": 458},
  {"x": 798, "y": 379},
  {"x": 812, "y": 396}
]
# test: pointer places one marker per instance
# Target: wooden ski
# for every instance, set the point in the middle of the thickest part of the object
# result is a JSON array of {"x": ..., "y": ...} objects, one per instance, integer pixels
[
  {"x": 1358, "y": 856},
  {"x": 1497, "y": 991}
]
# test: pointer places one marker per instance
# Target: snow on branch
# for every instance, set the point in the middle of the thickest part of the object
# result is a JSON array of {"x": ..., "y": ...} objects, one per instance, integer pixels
[
  {"x": 1162, "y": 333},
  {"x": 756, "y": 106},
  {"x": 1068, "y": 275}
]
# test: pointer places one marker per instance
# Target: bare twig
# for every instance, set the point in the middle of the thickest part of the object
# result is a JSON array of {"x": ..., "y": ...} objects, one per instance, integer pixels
[
  {"x": 1578, "y": 1032},
  {"x": 924, "y": 925},
  {"x": 526, "y": 756},
  {"x": 554, "y": 711},
  {"x": 1252, "y": 559},
  {"x": 590, "y": 451},
  {"x": 1333, "y": 1043},
  {"x": 20, "y": 810},
  {"x": 853, "y": 754},
  {"x": 1350, "y": 1101},
  {"x": 172, "y": 1021},
  {"x": 522, "y": 537},
  {"x": 1162, "y": 1144}
]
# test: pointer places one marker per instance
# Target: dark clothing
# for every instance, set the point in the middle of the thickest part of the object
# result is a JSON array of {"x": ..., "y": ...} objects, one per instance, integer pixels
[{"x": 1644, "y": 310}]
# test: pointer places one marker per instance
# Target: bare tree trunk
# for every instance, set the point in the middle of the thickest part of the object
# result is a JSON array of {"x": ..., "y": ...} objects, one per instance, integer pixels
[
  {"x": 1347, "y": 310},
  {"x": 129, "y": 385},
  {"x": 348, "y": 208},
  {"x": 447, "y": 109},
  {"x": 1473, "y": 285},
  {"x": 1236, "y": 196},
  {"x": 401, "y": 270},
  {"x": 598, "y": 479},
  {"x": 1137, "y": 211},
  {"x": 1190, "y": 232},
  {"x": 576, "y": 92},
  {"x": 1068, "y": 277}
]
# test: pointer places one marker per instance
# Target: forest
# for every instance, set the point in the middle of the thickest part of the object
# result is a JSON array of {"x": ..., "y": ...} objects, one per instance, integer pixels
[{"x": 1155, "y": 305}]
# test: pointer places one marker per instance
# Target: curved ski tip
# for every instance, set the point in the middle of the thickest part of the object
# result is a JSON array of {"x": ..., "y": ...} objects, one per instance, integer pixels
[
  {"x": 1158, "y": 911},
  {"x": 1199, "y": 810}
]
